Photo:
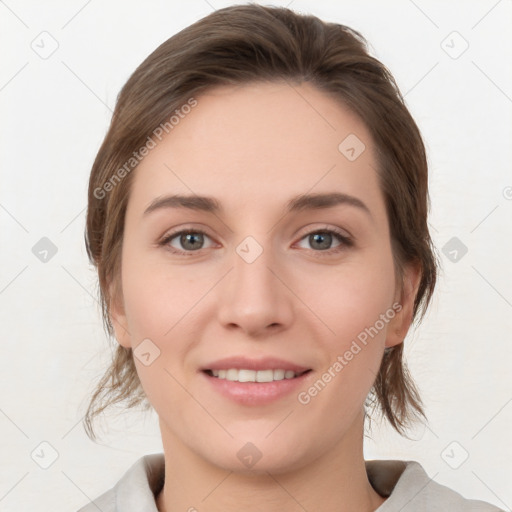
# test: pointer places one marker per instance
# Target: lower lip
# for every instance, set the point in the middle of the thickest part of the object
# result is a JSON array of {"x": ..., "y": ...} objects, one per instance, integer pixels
[{"x": 256, "y": 393}]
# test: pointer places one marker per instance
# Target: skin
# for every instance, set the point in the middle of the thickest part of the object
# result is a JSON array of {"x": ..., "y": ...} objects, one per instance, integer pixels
[{"x": 254, "y": 147}]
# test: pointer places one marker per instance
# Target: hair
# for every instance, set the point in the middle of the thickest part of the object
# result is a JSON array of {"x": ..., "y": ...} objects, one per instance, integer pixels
[{"x": 239, "y": 45}]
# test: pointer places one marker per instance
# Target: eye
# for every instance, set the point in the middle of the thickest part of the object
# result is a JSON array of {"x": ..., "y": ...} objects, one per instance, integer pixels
[
  {"x": 321, "y": 240},
  {"x": 185, "y": 241},
  {"x": 188, "y": 241}
]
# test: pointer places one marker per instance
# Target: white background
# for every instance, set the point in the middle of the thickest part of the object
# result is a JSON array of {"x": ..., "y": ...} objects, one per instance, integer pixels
[{"x": 55, "y": 112}]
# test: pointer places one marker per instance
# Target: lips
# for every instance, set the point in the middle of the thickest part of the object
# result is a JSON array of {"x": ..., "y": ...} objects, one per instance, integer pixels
[
  {"x": 247, "y": 381},
  {"x": 245, "y": 363}
]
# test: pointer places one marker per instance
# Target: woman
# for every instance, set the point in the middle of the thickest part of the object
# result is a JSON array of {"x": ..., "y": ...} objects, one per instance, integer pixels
[{"x": 258, "y": 218}]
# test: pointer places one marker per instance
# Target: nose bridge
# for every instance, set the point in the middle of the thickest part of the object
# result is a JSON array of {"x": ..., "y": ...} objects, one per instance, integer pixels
[
  {"x": 251, "y": 274},
  {"x": 252, "y": 296}
]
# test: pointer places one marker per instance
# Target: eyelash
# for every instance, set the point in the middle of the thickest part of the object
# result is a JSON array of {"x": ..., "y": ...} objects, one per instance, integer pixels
[{"x": 345, "y": 241}]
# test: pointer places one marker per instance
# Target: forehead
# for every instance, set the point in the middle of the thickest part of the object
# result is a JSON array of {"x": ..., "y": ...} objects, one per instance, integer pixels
[{"x": 260, "y": 142}]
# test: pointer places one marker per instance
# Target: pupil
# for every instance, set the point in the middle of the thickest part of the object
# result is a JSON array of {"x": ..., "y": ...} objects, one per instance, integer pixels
[
  {"x": 191, "y": 240},
  {"x": 325, "y": 237}
]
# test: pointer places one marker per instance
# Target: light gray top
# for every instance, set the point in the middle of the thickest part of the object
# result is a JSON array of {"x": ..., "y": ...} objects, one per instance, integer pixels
[{"x": 405, "y": 484}]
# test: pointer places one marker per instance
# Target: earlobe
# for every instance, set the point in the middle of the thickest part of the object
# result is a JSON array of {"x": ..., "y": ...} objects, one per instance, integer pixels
[
  {"x": 406, "y": 296},
  {"x": 117, "y": 317},
  {"x": 121, "y": 330}
]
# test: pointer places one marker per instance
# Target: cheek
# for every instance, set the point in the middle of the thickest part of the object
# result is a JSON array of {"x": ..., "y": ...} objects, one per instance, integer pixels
[
  {"x": 163, "y": 311},
  {"x": 159, "y": 310},
  {"x": 158, "y": 299},
  {"x": 353, "y": 305},
  {"x": 356, "y": 304},
  {"x": 353, "y": 298}
]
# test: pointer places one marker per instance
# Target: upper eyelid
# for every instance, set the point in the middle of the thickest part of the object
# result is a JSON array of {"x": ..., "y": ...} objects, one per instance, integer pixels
[
  {"x": 325, "y": 227},
  {"x": 191, "y": 229}
]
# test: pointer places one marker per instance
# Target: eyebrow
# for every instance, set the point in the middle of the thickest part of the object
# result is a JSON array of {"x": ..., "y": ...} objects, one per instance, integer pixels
[{"x": 296, "y": 204}]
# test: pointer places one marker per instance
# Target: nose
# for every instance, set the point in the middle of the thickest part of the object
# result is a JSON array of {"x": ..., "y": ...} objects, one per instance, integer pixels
[{"x": 254, "y": 297}]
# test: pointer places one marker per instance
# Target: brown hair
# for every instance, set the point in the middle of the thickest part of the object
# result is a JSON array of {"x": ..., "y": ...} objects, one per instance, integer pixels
[{"x": 238, "y": 45}]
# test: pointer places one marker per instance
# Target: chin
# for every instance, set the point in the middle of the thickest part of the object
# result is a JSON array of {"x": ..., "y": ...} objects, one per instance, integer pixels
[{"x": 256, "y": 454}]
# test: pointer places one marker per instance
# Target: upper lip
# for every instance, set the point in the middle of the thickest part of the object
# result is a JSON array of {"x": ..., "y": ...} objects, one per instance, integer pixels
[{"x": 265, "y": 363}]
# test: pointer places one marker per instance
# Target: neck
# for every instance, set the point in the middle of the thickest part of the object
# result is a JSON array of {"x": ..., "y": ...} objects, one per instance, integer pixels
[{"x": 336, "y": 481}]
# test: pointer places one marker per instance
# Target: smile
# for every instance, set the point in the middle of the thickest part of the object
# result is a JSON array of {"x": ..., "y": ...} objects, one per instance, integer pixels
[
  {"x": 244, "y": 375},
  {"x": 255, "y": 387}
]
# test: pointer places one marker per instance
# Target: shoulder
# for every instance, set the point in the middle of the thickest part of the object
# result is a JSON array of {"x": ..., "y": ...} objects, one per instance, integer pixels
[
  {"x": 135, "y": 491},
  {"x": 106, "y": 503},
  {"x": 415, "y": 491}
]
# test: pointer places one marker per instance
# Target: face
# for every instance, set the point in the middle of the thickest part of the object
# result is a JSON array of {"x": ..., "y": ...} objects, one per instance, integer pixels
[{"x": 287, "y": 265}]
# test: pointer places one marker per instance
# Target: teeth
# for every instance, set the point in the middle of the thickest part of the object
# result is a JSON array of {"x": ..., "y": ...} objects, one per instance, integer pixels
[
  {"x": 243, "y": 375},
  {"x": 279, "y": 374}
]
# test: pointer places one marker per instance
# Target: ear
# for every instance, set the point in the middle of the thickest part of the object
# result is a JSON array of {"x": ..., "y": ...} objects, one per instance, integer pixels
[
  {"x": 404, "y": 305},
  {"x": 118, "y": 317}
]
